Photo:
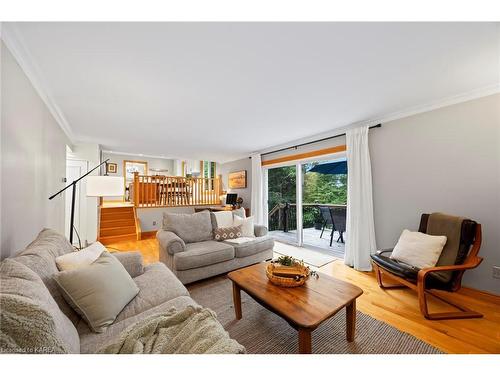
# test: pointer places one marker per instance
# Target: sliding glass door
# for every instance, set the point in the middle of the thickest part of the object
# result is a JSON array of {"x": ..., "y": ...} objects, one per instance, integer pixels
[
  {"x": 306, "y": 204},
  {"x": 282, "y": 203},
  {"x": 324, "y": 199}
]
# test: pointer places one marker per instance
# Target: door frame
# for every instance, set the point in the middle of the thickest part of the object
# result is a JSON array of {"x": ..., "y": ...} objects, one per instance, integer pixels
[
  {"x": 81, "y": 202},
  {"x": 299, "y": 182},
  {"x": 298, "y": 196}
]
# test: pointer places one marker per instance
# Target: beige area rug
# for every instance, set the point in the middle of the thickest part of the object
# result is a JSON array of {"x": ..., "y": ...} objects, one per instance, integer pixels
[
  {"x": 313, "y": 257},
  {"x": 263, "y": 332}
]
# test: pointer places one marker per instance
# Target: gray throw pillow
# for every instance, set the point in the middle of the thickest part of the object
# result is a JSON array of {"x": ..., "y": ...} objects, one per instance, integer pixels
[
  {"x": 189, "y": 227},
  {"x": 99, "y": 291}
]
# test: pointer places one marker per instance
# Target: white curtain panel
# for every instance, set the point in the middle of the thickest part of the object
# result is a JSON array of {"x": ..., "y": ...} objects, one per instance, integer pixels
[
  {"x": 360, "y": 228},
  {"x": 257, "y": 203}
]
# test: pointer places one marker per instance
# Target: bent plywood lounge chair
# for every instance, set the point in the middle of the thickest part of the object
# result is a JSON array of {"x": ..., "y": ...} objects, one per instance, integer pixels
[{"x": 459, "y": 254}]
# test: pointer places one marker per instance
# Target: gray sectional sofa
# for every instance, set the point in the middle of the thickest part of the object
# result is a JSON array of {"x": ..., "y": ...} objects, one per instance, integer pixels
[
  {"x": 188, "y": 249},
  {"x": 27, "y": 279}
]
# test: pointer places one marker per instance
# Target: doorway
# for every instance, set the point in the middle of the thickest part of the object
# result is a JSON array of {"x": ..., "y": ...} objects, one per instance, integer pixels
[
  {"x": 306, "y": 204},
  {"x": 75, "y": 169},
  {"x": 324, "y": 204},
  {"x": 282, "y": 203}
]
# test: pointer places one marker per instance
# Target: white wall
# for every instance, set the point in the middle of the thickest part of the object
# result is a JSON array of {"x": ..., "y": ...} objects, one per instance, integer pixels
[
  {"x": 155, "y": 163},
  {"x": 234, "y": 166},
  {"x": 33, "y": 161},
  {"x": 446, "y": 160}
]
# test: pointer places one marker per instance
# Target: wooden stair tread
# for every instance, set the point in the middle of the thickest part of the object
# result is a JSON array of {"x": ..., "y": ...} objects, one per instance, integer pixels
[
  {"x": 118, "y": 230},
  {"x": 117, "y": 216},
  {"x": 117, "y": 223}
]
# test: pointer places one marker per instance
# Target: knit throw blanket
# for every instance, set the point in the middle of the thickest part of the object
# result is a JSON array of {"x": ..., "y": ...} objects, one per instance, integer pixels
[
  {"x": 26, "y": 328},
  {"x": 194, "y": 330}
]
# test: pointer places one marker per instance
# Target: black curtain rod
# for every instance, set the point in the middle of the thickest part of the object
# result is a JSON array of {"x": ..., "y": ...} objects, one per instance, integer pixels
[{"x": 311, "y": 142}]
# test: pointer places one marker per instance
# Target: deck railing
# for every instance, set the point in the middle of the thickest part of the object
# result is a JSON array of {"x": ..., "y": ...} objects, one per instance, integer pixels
[
  {"x": 283, "y": 215},
  {"x": 173, "y": 191}
]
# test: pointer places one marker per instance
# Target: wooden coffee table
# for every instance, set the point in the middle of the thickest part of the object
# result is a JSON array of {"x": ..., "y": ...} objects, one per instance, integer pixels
[{"x": 304, "y": 307}]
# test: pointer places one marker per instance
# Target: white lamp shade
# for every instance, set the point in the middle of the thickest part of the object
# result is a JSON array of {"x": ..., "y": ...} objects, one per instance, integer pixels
[{"x": 105, "y": 186}]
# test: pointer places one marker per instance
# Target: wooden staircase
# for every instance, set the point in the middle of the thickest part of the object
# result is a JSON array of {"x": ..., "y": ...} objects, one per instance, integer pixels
[{"x": 118, "y": 224}]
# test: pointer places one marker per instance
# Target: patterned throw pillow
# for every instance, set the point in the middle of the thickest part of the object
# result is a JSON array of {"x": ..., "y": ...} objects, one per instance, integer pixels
[{"x": 227, "y": 233}]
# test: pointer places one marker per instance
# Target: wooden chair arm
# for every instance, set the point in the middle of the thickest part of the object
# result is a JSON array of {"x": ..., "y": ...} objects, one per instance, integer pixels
[{"x": 472, "y": 263}]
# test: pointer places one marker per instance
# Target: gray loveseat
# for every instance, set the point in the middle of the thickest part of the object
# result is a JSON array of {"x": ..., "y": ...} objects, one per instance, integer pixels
[
  {"x": 187, "y": 247},
  {"x": 29, "y": 275}
]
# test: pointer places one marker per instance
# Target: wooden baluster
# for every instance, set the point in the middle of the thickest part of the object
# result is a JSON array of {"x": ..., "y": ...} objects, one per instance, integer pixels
[
  {"x": 165, "y": 190},
  {"x": 150, "y": 191},
  {"x": 198, "y": 191},
  {"x": 135, "y": 198},
  {"x": 195, "y": 191},
  {"x": 141, "y": 197},
  {"x": 172, "y": 191},
  {"x": 218, "y": 192},
  {"x": 161, "y": 190},
  {"x": 212, "y": 190},
  {"x": 146, "y": 190},
  {"x": 179, "y": 188},
  {"x": 183, "y": 191},
  {"x": 146, "y": 186},
  {"x": 169, "y": 191},
  {"x": 152, "y": 197},
  {"x": 176, "y": 190},
  {"x": 156, "y": 195},
  {"x": 209, "y": 181},
  {"x": 192, "y": 192}
]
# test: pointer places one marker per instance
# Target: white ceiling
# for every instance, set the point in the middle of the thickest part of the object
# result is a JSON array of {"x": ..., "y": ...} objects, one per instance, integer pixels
[{"x": 220, "y": 91}]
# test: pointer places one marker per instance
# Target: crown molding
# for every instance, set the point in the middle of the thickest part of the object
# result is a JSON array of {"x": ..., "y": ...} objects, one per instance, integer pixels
[
  {"x": 393, "y": 116},
  {"x": 13, "y": 40},
  {"x": 139, "y": 155}
]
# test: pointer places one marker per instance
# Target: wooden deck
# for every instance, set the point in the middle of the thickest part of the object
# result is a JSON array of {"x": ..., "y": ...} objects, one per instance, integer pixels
[{"x": 312, "y": 239}]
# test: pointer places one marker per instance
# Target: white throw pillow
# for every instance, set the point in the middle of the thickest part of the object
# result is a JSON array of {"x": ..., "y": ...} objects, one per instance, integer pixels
[
  {"x": 240, "y": 212},
  {"x": 224, "y": 219},
  {"x": 246, "y": 226},
  {"x": 418, "y": 249},
  {"x": 81, "y": 258}
]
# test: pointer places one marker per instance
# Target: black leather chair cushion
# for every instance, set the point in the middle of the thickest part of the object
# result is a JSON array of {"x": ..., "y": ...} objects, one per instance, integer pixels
[
  {"x": 403, "y": 270},
  {"x": 407, "y": 272}
]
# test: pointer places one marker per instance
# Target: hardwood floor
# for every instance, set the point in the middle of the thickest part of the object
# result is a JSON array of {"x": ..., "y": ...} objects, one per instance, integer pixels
[{"x": 399, "y": 308}]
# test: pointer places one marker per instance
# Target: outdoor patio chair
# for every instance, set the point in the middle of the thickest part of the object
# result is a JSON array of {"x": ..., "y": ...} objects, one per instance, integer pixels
[
  {"x": 458, "y": 255},
  {"x": 336, "y": 217},
  {"x": 339, "y": 216}
]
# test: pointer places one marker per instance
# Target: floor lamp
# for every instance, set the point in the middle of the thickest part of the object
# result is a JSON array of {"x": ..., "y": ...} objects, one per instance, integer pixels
[{"x": 98, "y": 186}]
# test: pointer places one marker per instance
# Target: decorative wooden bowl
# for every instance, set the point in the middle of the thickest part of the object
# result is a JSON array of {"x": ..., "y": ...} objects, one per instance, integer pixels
[{"x": 287, "y": 276}]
